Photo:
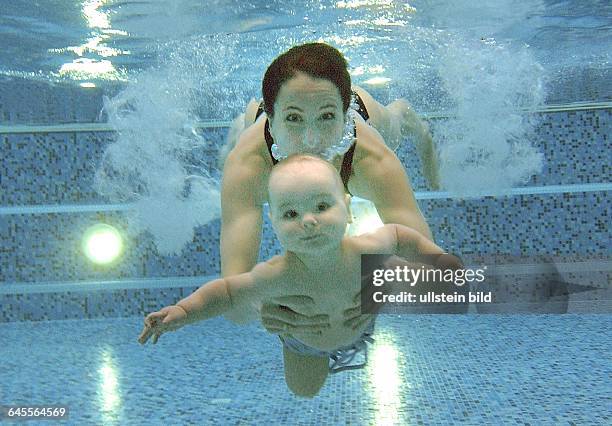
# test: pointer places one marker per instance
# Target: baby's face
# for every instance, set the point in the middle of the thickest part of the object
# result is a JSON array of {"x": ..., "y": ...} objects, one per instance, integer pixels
[{"x": 308, "y": 208}]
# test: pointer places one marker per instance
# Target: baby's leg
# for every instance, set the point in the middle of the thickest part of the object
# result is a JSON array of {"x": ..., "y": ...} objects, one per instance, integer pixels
[
  {"x": 397, "y": 121},
  {"x": 390, "y": 120},
  {"x": 231, "y": 140},
  {"x": 404, "y": 122},
  {"x": 250, "y": 112},
  {"x": 305, "y": 375}
]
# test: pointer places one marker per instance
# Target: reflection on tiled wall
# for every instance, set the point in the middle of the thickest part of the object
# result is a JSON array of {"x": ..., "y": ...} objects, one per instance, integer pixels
[
  {"x": 37, "y": 102},
  {"x": 57, "y": 169},
  {"x": 47, "y": 247}
]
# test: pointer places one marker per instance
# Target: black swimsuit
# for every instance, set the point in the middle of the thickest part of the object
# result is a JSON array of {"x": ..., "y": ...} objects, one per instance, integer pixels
[{"x": 347, "y": 160}]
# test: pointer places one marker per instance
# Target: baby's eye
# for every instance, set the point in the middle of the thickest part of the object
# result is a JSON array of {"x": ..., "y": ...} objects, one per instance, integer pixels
[
  {"x": 322, "y": 207},
  {"x": 290, "y": 214},
  {"x": 328, "y": 116},
  {"x": 293, "y": 118}
]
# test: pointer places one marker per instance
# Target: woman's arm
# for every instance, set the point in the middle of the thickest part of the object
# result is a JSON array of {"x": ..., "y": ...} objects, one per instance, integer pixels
[
  {"x": 380, "y": 177},
  {"x": 241, "y": 220}
]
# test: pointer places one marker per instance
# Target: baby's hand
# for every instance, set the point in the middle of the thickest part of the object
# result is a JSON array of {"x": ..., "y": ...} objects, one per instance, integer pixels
[{"x": 169, "y": 318}]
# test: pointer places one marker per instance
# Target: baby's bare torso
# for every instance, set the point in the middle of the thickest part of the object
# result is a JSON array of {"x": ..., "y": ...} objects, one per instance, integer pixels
[{"x": 333, "y": 290}]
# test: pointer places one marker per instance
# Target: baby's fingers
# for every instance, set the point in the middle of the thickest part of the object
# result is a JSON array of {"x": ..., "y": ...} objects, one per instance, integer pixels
[
  {"x": 272, "y": 311},
  {"x": 151, "y": 323},
  {"x": 353, "y": 312},
  {"x": 301, "y": 304},
  {"x": 358, "y": 322},
  {"x": 145, "y": 335}
]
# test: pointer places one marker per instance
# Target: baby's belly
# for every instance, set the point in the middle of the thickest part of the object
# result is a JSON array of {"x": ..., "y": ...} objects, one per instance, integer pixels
[{"x": 333, "y": 338}]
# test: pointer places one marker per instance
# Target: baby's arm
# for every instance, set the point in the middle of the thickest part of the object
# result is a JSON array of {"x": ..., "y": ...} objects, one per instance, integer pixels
[
  {"x": 401, "y": 241},
  {"x": 410, "y": 244},
  {"x": 212, "y": 299}
]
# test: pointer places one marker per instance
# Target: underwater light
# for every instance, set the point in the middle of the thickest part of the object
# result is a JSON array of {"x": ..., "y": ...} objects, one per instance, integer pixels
[{"x": 102, "y": 243}]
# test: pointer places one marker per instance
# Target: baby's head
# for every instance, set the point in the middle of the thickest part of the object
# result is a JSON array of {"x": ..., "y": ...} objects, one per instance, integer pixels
[{"x": 308, "y": 207}]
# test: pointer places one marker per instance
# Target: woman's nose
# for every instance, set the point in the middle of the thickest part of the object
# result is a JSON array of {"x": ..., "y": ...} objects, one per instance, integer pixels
[{"x": 309, "y": 138}]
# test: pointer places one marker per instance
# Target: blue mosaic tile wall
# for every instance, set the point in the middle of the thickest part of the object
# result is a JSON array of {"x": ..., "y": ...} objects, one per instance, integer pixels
[
  {"x": 57, "y": 169},
  {"x": 47, "y": 247},
  {"x": 574, "y": 145},
  {"x": 37, "y": 102},
  {"x": 90, "y": 304}
]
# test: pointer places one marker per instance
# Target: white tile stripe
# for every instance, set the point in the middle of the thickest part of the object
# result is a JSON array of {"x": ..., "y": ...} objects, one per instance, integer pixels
[
  {"x": 105, "y": 127},
  {"x": 79, "y": 286},
  {"x": 532, "y": 190},
  {"x": 561, "y": 267},
  {"x": 90, "y": 127},
  {"x": 528, "y": 190},
  {"x": 75, "y": 208},
  {"x": 179, "y": 282}
]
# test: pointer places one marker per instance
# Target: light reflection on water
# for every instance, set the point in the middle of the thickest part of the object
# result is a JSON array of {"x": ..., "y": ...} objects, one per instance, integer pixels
[
  {"x": 387, "y": 381},
  {"x": 109, "y": 392}
]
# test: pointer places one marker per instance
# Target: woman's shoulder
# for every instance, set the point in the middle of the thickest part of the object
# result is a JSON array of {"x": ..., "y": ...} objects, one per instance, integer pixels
[{"x": 251, "y": 141}]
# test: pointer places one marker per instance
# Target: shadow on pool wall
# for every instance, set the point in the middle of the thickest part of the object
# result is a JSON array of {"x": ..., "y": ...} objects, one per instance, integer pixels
[{"x": 48, "y": 202}]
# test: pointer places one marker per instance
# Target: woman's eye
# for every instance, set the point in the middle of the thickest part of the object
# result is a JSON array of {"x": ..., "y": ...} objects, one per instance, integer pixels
[
  {"x": 322, "y": 207},
  {"x": 290, "y": 214},
  {"x": 328, "y": 116},
  {"x": 294, "y": 118}
]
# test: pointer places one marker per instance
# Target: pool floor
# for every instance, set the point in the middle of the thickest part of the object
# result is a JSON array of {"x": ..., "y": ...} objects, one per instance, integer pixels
[{"x": 422, "y": 369}]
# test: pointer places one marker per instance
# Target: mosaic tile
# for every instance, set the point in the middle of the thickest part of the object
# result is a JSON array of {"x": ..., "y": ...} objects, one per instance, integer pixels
[{"x": 422, "y": 369}]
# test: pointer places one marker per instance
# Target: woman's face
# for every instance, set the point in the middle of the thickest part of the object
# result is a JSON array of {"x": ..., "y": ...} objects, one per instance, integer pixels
[{"x": 308, "y": 115}]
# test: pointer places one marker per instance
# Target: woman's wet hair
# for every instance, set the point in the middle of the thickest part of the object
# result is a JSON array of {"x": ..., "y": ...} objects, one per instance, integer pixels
[{"x": 318, "y": 60}]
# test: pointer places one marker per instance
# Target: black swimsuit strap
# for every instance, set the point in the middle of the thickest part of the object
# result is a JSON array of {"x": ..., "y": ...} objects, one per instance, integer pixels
[
  {"x": 267, "y": 135},
  {"x": 363, "y": 112},
  {"x": 347, "y": 166},
  {"x": 269, "y": 141},
  {"x": 347, "y": 159}
]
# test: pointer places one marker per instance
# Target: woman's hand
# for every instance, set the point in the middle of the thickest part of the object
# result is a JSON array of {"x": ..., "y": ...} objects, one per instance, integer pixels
[
  {"x": 354, "y": 318},
  {"x": 292, "y": 314},
  {"x": 169, "y": 318}
]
